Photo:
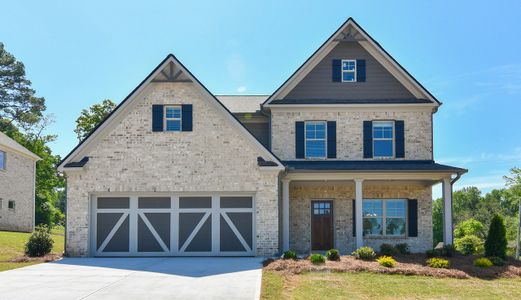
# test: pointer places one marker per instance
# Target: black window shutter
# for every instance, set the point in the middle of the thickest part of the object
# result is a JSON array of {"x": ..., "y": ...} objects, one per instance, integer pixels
[
  {"x": 337, "y": 70},
  {"x": 157, "y": 117},
  {"x": 412, "y": 216},
  {"x": 186, "y": 117},
  {"x": 360, "y": 70},
  {"x": 368, "y": 139},
  {"x": 331, "y": 139},
  {"x": 354, "y": 217},
  {"x": 299, "y": 139},
  {"x": 399, "y": 129}
]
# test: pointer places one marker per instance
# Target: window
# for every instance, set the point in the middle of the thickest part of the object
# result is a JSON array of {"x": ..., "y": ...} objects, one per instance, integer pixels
[
  {"x": 172, "y": 118},
  {"x": 315, "y": 139},
  {"x": 321, "y": 208},
  {"x": 2, "y": 160},
  {"x": 348, "y": 70},
  {"x": 383, "y": 139},
  {"x": 384, "y": 217},
  {"x": 10, "y": 204}
]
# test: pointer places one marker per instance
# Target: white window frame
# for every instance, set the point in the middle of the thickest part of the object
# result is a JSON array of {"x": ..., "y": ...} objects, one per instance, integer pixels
[
  {"x": 393, "y": 139},
  {"x": 165, "y": 119},
  {"x": 347, "y": 71},
  {"x": 306, "y": 139},
  {"x": 4, "y": 162},
  {"x": 384, "y": 218}
]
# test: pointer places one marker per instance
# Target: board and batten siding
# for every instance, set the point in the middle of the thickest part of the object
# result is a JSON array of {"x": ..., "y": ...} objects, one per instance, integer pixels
[{"x": 379, "y": 83}]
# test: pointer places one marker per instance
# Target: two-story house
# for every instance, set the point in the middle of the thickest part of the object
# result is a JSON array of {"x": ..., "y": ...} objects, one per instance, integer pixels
[
  {"x": 339, "y": 156},
  {"x": 17, "y": 185}
]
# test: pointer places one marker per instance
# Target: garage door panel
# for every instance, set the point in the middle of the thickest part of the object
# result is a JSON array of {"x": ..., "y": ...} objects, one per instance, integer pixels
[
  {"x": 228, "y": 239},
  {"x": 236, "y": 202},
  {"x": 195, "y": 202},
  {"x": 113, "y": 202},
  {"x": 120, "y": 240},
  {"x": 154, "y": 202},
  {"x": 146, "y": 242},
  {"x": 244, "y": 224},
  {"x": 202, "y": 241},
  {"x": 105, "y": 224},
  {"x": 161, "y": 224},
  {"x": 187, "y": 224}
]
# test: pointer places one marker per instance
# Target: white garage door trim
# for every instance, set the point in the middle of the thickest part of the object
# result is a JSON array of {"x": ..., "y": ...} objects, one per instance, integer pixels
[{"x": 133, "y": 213}]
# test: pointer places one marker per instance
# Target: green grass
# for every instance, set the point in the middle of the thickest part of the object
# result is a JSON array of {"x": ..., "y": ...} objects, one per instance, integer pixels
[
  {"x": 12, "y": 245},
  {"x": 383, "y": 286}
]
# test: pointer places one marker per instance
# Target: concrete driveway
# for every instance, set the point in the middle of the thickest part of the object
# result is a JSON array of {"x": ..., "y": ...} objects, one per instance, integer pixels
[{"x": 135, "y": 278}]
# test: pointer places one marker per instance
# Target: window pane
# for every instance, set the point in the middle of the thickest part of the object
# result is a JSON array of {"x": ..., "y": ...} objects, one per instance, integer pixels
[
  {"x": 395, "y": 208},
  {"x": 372, "y": 208},
  {"x": 2, "y": 160},
  {"x": 373, "y": 226},
  {"x": 173, "y": 125},
  {"x": 173, "y": 112},
  {"x": 395, "y": 226},
  {"x": 348, "y": 65},
  {"x": 383, "y": 148},
  {"x": 348, "y": 76},
  {"x": 315, "y": 148}
]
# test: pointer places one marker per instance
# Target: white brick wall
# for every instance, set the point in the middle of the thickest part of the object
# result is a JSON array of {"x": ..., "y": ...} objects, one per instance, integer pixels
[
  {"x": 214, "y": 157},
  {"x": 418, "y": 135},
  {"x": 17, "y": 183}
]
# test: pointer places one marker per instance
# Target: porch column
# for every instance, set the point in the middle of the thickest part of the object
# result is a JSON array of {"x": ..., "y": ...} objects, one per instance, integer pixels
[
  {"x": 358, "y": 213},
  {"x": 447, "y": 211},
  {"x": 285, "y": 214}
]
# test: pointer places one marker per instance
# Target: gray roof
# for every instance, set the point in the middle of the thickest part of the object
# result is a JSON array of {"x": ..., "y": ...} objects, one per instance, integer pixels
[
  {"x": 242, "y": 103},
  {"x": 7, "y": 142},
  {"x": 371, "y": 165},
  {"x": 350, "y": 101}
]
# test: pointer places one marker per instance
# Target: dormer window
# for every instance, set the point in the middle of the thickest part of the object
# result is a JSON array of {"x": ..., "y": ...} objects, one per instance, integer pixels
[
  {"x": 348, "y": 70},
  {"x": 172, "y": 118}
]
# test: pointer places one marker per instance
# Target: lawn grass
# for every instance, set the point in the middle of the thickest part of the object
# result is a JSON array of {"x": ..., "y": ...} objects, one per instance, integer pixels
[
  {"x": 12, "y": 245},
  {"x": 318, "y": 285}
]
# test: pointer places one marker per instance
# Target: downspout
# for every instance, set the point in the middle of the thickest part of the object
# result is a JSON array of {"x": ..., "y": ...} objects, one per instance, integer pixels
[
  {"x": 452, "y": 182},
  {"x": 65, "y": 224}
]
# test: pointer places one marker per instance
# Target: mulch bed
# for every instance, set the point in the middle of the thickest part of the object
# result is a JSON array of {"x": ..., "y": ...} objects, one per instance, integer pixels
[
  {"x": 410, "y": 264},
  {"x": 47, "y": 258}
]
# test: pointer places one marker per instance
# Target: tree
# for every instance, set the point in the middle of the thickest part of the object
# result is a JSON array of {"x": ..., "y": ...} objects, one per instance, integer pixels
[
  {"x": 469, "y": 227},
  {"x": 18, "y": 103},
  {"x": 90, "y": 118},
  {"x": 496, "y": 243},
  {"x": 437, "y": 220}
]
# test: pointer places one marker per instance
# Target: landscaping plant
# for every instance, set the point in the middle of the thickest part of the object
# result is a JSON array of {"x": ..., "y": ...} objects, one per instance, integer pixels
[
  {"x": 483, "y": 263},
  {"x": 468, "y": 244},
  {"x": 386, "y": 261},
  {"x": 402, "y": 248},
  {"x": 439, "y": 263},
  {"x": 387, "y": 249},
  {"x": 496, "y": 243},
  {"x": 497, "y": 261},
  {"x": 333, "y": 255},
  {"x": 289, "y": 255},
  {"x": 317, "y": 258},
  {"x": 40, "y": 242},
  {"x": 364, "y": 253}
]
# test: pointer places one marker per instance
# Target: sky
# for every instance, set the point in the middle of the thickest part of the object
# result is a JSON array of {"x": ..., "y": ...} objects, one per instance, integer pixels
[{"x": 467, "y": 53}]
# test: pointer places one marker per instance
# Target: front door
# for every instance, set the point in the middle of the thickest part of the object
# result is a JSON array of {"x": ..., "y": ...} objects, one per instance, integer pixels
[{"x": 321, "y": 225}]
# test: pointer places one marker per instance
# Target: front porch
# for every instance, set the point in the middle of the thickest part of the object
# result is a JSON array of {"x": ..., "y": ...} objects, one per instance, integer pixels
[{"x": 401, "y": 210}]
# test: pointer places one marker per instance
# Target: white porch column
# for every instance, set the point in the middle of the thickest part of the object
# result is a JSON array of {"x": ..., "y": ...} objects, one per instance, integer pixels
[
  {"x": 285, "y": 214},
  {"x": 447, "y": 211},
  {"x": 358, "y": 213}
]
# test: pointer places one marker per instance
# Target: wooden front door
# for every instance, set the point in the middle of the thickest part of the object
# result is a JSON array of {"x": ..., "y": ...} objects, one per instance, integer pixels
[{"x": 321, "y": 225}]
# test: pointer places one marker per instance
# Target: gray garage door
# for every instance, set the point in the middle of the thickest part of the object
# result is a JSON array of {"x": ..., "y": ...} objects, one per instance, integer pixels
[{"x": 172, "y": 225}]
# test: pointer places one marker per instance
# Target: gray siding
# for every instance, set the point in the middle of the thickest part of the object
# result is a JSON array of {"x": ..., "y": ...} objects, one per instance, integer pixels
[{"x": 379, "y": 84}]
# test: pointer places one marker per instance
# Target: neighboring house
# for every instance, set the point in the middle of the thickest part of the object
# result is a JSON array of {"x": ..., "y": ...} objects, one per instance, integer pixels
[
  {"x": 17, "y": 185},
  {"x": 340, "y": 156}
]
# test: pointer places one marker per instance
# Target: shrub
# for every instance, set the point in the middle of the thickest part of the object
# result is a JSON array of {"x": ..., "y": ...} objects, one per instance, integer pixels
[
  {"x": 483, "y": 262},
  {"x": 402, "y": 248},
  {"x": 289, "y": 255},
  {"x": 468, "y": 244},
  {"x": 387, "y": 249},
  {"x": 446, "y": 251},
  {"x": 333, "y": 255},
  {"x": 365, "y": 253},
  {"x": 386, "y": 261},
  {"x": 496, "y": 243},
  {"x": 469, "y": 227},
  {"x": 317, "y": 258},
  {"x": 439, "y": 263},
  {"x": 40, "y": 242},
  {"x": 497, "y": 261}
]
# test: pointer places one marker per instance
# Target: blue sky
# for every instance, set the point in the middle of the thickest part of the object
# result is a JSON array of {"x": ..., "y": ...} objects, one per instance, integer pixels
[{"x": 467, "y": 53}]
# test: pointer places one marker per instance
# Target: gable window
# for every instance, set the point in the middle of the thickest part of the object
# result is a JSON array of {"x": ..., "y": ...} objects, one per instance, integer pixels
[
  {"x": 384, "y": 217},
  {"x": 383, "y": 139},
  {"x": 348, "y": 70},
  {"x": 315, "y": 139},
  {"x": 2, "y": 160},
  {"x": 172, "y": 118}
]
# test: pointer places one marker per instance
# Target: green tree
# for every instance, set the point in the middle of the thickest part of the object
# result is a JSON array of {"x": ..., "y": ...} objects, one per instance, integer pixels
[
  {"x": 437, "y": 220},
  {"x": 469, "y": 227},
  {"x": 90, "y": 118},
  {"x": 496, "y": 243},
  {"x": 18, "y": 104}
]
